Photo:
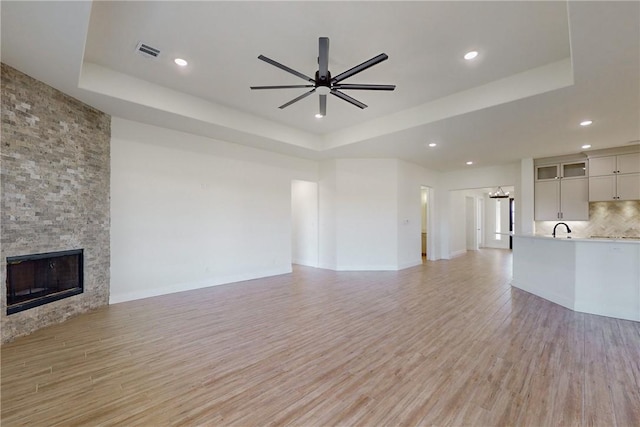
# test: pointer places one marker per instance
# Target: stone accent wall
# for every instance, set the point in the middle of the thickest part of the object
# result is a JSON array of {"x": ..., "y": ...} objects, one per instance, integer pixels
[
  {"x": 54, "y": 191},
  {"x": 621, "y": 219}
]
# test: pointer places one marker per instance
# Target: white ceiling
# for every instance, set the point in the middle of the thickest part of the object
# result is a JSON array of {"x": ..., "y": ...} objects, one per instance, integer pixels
[{"x": 543, "y": 67}]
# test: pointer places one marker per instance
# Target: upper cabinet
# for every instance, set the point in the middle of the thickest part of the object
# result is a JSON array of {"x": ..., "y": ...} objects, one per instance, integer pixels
[
  {"x": 561, "y": 190},
  {"x": 615, "y": 177},
  {"x": 610, "y": 165},
  {"x": 577, "y": 169},
  {"x": 565, "y": 185}
]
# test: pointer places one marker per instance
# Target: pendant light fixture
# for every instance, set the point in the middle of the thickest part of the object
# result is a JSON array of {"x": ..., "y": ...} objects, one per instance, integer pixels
[{"x": 499, "y": 194}]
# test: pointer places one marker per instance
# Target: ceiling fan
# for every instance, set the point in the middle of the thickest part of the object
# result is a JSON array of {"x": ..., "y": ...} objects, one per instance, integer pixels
[{"x": 323, "y": 83}]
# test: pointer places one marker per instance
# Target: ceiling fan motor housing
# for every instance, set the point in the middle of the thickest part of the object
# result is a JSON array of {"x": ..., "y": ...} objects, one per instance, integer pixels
[
  {"x": 323, "y": 86},
  {"x": 323, "y": 82}
]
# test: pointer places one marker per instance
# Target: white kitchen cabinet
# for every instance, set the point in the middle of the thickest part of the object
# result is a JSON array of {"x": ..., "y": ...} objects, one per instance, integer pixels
[
  {"x": 614, "y": 177},
  {"x": 614, "y": 165},
  {"x": 600, "y": 166},
  {"x": 566, "y": 170},
  {"x": 561, "y": 191},
  {"x": 614, "y": 187},
  {"x": 547, "y": 172},
  {"x": 628, "y": 163},
  {"x": 602, "y": 188},
  {"x": 628, "y": 186},
  {"x": 574, "y": 199},
  {"x": 547, "y": 200},
  {"x": 566, "y": 199}
]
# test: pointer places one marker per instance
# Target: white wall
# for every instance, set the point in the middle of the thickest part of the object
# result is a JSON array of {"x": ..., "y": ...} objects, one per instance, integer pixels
[
  {"x": 327, "y": 256},
  {"x": 524, "y": 220},
  {"x": 482, "y": 177},
  {"x": 304, "y": 223},
  {"x": 367, "y": 214},
  {"x": 189, "y": 212},
  {"x": 458, "y": 225}
]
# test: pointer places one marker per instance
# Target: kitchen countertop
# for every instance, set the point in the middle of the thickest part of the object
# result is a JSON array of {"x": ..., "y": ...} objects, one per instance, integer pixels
[{"x": 564, "y": 237}]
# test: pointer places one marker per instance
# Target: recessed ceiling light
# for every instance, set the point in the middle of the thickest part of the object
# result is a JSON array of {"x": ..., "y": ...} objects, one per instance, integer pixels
[
  {"x": 469, "y": 162},
  {"x": 433, "y": 144},
  {"x": 585, "y": 146},
  {"x": 319, "y": 116},
  {"x": 181, "y": 62},
  {"x": 470, "y": 55},
  {"x": 586, "y": 122}
]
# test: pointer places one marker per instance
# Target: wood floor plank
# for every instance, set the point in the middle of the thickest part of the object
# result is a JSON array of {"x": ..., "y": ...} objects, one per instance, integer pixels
[{"x": 447, "y": 343}]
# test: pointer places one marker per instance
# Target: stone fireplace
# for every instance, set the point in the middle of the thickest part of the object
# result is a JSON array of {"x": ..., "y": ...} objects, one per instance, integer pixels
[
  {"x": 54, "y": 195},
  {"x": 38, "y": 279}
]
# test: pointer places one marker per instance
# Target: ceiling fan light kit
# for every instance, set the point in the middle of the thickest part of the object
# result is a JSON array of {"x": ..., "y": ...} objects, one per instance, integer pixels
[{"x": 323, "y": 83}]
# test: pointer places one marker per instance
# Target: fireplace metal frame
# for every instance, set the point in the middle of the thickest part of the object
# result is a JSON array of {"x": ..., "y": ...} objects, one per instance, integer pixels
[{"x": 21, "y": 306}]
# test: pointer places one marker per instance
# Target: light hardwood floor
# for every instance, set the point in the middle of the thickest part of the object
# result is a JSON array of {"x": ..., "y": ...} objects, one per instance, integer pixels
[{"x": 446, "y": 343}]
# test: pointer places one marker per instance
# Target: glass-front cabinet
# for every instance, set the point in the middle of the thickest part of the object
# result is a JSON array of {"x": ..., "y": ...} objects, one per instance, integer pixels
[
  {"x": 561, "y": 171},
  {"x": 544, "y": 173},
  {"x": 574, "y": 170}
]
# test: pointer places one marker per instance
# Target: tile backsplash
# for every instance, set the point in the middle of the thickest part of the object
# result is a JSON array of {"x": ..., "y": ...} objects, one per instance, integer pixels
[{"x": 619, "y": 219}]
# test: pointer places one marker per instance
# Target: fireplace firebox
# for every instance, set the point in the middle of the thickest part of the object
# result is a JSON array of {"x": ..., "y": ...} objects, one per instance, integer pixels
[{"x": 38, "y": 279}]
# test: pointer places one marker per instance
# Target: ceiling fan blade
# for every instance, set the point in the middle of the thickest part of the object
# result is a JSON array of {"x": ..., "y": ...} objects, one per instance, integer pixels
[
  {"x": 281, "y": 87},
  {"x": 348, "y": 98},
  {"x": 323, "y": 58},
  {"x": 359, "y": 68},
  {"x": 304, "y": 95},
  {"x": 365, "y": 87},
  {"x": 285, "y": 68},
  {"x": 323, "y": 105}
]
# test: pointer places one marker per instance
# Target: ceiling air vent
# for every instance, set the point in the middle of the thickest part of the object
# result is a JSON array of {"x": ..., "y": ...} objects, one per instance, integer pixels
[{"x": 148, "y": 51}]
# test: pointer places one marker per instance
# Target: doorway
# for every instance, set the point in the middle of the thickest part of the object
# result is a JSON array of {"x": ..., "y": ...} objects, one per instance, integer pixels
[
  {"x": 304, "y": 223},
  {"x": 426, "y": 236}
]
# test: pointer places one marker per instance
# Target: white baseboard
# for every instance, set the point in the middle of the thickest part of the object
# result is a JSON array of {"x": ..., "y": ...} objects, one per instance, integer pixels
[
  {"x": 306, "y": 262},
  {"x": 548, "y": 295},
  {"x": 600, "y": 310},
  {"x": 457, "y": 253},
  {"x": 410, "y": 264},
  {"x": 375, "y": 267},
  {"x": 181, "y": 287}
]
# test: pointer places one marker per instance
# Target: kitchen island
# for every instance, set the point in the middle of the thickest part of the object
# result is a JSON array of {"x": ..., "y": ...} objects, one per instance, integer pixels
[{"x": 596, "y": 276}]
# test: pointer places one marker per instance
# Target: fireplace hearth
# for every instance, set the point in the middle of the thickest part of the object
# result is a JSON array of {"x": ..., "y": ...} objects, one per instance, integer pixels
[{"x": 37, "y": 279}]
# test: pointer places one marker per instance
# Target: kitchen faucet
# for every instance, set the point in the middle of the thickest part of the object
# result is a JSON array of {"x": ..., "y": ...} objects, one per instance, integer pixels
[{"x": 556, "y": 226}]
